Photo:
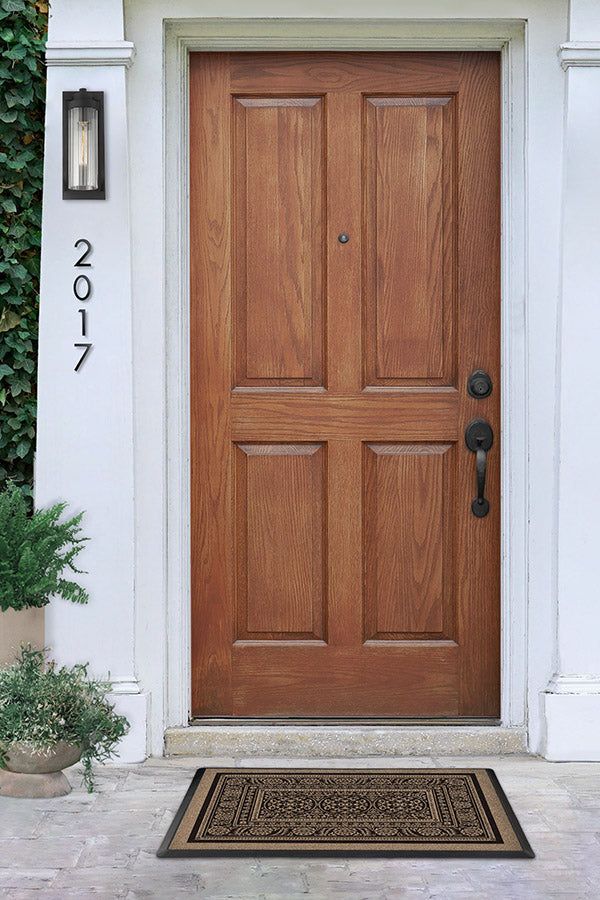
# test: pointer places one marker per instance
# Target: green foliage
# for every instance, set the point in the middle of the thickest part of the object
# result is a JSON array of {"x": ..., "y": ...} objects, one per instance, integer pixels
[
  {"x": 42, "y": 704},
  {"x": 35, "y": 550},
  {"x": 22, "y": 89}
]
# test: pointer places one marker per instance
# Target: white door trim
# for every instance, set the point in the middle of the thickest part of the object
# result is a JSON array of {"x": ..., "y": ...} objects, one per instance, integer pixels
[{"x": 509, "y": 36}]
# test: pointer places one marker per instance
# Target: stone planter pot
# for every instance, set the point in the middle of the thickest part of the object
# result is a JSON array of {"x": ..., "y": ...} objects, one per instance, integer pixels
[
  {"x": 34, "y": 773},
  {"x": 23, "y": 626}
]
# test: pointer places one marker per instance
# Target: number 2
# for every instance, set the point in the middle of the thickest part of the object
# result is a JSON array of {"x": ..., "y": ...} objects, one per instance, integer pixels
[{"x": 80, "y": 262}]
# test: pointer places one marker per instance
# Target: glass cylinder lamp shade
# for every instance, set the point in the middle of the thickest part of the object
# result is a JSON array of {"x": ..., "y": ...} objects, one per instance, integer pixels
[{"x": 83, "y": 145}]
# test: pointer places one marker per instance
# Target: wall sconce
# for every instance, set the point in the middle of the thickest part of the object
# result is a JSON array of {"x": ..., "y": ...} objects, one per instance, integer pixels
[{"x": 83, "y": 145}]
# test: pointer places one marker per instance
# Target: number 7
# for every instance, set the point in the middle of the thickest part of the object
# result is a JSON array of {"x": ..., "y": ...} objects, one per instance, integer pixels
[{"x": 86, "y": 350}]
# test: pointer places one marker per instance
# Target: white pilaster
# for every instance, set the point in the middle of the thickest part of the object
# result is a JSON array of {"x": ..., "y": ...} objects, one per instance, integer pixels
[
  {"x": 572, "y": 698},
  {"x": 85, "y": 423}
]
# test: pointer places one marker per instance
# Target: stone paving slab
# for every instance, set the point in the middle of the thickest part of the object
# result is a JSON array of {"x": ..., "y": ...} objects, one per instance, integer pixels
[
  {"x": 48, "y": 852},
  {"x": 104, "y": 844},
  {"x": 17, "y": 820},
  {"x": 13, "y": 879}
]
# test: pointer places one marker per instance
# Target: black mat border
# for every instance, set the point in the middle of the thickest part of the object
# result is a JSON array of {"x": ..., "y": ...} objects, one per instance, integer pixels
[{"x": 526, "y": 851}]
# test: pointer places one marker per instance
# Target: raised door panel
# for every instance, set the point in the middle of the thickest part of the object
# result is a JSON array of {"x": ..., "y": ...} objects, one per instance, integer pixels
[
  {"x": 409, "y": 240},
  {"x": 407, "y": 541},
  {"x": 277, "y": 248},
  {"x": 280, "y": 541}
]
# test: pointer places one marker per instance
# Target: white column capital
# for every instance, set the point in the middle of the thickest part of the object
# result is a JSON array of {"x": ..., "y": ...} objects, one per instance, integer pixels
[
  {"x": 579, "y": 53},
  {"x": 89, "y": 53}
]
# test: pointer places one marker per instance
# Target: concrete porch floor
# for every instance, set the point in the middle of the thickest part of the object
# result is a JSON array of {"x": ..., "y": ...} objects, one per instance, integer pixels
[{"x": 104, "y": 844}]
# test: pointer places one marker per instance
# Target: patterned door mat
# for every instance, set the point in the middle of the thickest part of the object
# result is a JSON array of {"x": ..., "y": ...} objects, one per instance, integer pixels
[{"x": 344, "y": 812}]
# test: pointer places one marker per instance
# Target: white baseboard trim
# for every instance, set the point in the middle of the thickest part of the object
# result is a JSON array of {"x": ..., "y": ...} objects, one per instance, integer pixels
[
  {"x": 572, "y": 722},
  {"x": 574, "y": 684},
  {"x": 134, "y": 705},
  {"x": 341, "y": 741}
]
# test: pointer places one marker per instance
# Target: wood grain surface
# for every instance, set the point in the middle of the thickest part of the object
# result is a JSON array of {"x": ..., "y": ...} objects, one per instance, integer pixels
[{"x": 337, "y": 568}]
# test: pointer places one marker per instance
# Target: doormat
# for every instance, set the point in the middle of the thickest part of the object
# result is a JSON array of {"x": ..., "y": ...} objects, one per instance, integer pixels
[{"x": 342, "y": 812}]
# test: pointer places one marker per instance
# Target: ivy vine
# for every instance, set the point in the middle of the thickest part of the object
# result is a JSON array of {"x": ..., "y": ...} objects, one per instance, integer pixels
[{"x": 23, "y": 25}]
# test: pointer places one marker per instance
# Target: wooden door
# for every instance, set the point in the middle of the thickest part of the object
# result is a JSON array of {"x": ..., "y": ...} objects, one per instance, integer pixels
[{"x": 337, "y": 567}]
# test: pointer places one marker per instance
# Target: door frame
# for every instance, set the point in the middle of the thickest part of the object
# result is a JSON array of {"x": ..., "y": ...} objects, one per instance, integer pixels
[{"x": 507, "y": 36}]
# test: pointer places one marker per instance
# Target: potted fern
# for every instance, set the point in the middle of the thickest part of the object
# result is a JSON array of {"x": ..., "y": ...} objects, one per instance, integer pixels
[
  {"x": 37, "y": 552},
  {"x": 50, "y": 718}
]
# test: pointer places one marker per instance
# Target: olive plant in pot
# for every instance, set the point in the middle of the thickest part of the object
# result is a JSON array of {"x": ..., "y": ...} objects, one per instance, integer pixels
[
  {"x": 50, "y": 718},
  {"x": 37, "y": 552}
]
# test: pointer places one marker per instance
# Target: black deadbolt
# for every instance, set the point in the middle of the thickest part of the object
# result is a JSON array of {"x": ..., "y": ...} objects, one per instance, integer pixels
[{"x": 479, "y": 384}]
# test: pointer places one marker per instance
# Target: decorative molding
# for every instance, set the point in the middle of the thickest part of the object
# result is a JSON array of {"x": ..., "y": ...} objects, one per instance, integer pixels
[
  {"x": 579, "y": 53},
  {"x": 124, "y": 685},
  {"x": 342, "y": 34},
  {"x": 89, "y": 53},
  {"x": 574, "y": 684}
]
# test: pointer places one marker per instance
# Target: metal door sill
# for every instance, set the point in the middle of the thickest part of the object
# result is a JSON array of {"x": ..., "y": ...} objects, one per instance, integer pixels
[{"x": 341, "y": 721}]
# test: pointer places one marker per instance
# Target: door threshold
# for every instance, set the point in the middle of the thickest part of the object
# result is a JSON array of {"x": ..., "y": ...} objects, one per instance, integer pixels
[
  {"x": 348, "y": 739},
  {"x": 343, "y": 721}
]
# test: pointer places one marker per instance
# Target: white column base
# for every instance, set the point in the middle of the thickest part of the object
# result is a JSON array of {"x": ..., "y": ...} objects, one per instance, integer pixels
[
  {"x": 134, "y": 705},
  {"x": 572, "y": 714}
]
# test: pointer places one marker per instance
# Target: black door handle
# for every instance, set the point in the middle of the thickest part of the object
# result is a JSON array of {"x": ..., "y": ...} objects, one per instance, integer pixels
[{"x": 479, "y": 437}]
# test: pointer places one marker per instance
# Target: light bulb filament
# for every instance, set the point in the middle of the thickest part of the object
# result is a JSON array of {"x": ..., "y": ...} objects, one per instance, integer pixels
[{"x": 83, "y": 146}]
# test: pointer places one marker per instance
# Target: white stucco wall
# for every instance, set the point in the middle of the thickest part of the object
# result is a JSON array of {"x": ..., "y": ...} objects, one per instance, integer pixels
[{"x": 104, "y": 433}]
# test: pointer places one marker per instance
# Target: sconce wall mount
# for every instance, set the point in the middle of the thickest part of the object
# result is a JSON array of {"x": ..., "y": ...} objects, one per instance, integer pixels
[{"x": 83, "y": 145}]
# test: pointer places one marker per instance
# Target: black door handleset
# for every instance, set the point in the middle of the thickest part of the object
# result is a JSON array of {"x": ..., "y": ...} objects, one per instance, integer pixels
[{"x": 479, "y": 437}]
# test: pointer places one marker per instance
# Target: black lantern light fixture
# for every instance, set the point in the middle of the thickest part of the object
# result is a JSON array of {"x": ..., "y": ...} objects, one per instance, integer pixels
[{"x": 83, "y": 145}]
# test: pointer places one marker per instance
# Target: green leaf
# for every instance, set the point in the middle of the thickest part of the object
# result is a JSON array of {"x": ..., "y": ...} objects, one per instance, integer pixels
[
  {"x": 23, "y": 25},
  {"x": 9, "y": 319},
  {"x": 17, "y": 53},
  {"x": 13, "y": 5}
]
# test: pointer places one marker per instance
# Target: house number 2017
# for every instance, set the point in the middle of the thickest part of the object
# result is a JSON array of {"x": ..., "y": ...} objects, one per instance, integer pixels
[{"x": 82, "y": 289}]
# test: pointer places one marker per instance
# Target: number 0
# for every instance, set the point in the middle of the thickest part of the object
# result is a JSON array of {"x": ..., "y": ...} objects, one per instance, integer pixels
[{"x": 82, "y": 293}]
